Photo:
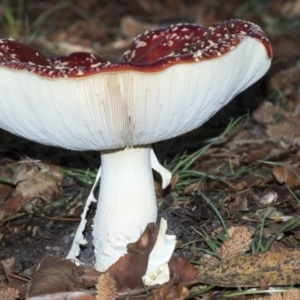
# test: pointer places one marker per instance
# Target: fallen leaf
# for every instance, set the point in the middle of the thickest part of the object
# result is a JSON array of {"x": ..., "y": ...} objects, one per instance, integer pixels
[
  {"x": 54, "y": 274},
  {"x": 287, "y": 82},
  {"x": 64, "y": 296},
  {"x": 287, "y": 174},
  {"x": 253, "y": 156},
  {"x": 278, "y": 268},
  {"x": 37, "y": 181},
  {"x": 180, "y": 267},
  {"x": 11, "y": 206},
  {"x": 170, "y": 290},
  {"x": 239, "y": 203},
  {"x": 246, "y": 181},
  {"x": 33, "y": 181},
  {"x": 86, "y": 278},
  {"x": 281, "y": 124},
  {"x": 16, "y": 281},
  {"x": 130, "y": 268}
]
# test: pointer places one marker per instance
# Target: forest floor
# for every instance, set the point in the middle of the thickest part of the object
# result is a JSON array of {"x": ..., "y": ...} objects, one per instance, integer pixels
[{"x": 235, "y": 197}]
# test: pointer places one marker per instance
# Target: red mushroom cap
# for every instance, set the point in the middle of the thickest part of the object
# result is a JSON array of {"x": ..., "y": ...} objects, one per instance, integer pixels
[
  {"x": 152, "y": 51},
  {"x": 169, "y": 82}
]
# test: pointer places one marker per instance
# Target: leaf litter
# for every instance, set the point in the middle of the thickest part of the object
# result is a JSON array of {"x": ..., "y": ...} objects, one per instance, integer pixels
[{"x": 250, "y": 175}]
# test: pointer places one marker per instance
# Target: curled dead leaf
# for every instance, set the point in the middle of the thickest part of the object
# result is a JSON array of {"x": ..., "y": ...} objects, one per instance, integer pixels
[
  {"x": 128, "y": 271},
  {"x": 182, "y": 269}
]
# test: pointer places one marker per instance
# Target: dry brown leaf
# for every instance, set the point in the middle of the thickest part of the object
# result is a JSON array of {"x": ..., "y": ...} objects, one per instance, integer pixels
[
  {"x": 239, "y": 203},
  {"x": 11, "y": 206},
  {"x": 106, "y": 288},
  {"x": 170, "y": 290},
  {"x": 243, "y": 182},
  {"x": 64, "y": 296},
  {"x": 127, "y": 272},
  {"x": 5, "y": 191},
  {"x": 194, "y": 187},
  {"x": 33, "y": 182},
  {"x": 265, "y": 113},
  {"x": 287, "y": 83},
  {"x": 246, "y": 181},
  {"x": 281, "y": 125},
  {"x": 277, "y": 268},
  {"x": 16, "y": 280},
  {"x": 38, "y": 181},
  {"x": 86, "y": 278},
  {"x": 182, "y": 269},
  {"x": 286, "y": 174},
  {"x": 54, "y": 275},
  {"x": 253, "y": 156}
]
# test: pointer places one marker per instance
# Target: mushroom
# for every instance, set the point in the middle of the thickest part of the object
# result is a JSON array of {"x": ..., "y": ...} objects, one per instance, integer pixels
[{"x": 169, "y": 82}]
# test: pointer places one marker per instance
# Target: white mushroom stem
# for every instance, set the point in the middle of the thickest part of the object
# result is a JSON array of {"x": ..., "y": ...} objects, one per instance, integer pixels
[{"x": 127, "y": 203}]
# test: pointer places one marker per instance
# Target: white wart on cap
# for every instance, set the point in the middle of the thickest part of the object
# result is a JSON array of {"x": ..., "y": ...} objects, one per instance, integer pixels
[{"x": 169, "y": 82}]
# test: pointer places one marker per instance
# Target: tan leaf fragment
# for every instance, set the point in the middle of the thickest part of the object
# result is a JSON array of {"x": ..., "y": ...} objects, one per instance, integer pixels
[
  {"x": 106, "y": 288},
  {"x": 276, "y": 268},
  {"x": 287, "y": 174}
]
